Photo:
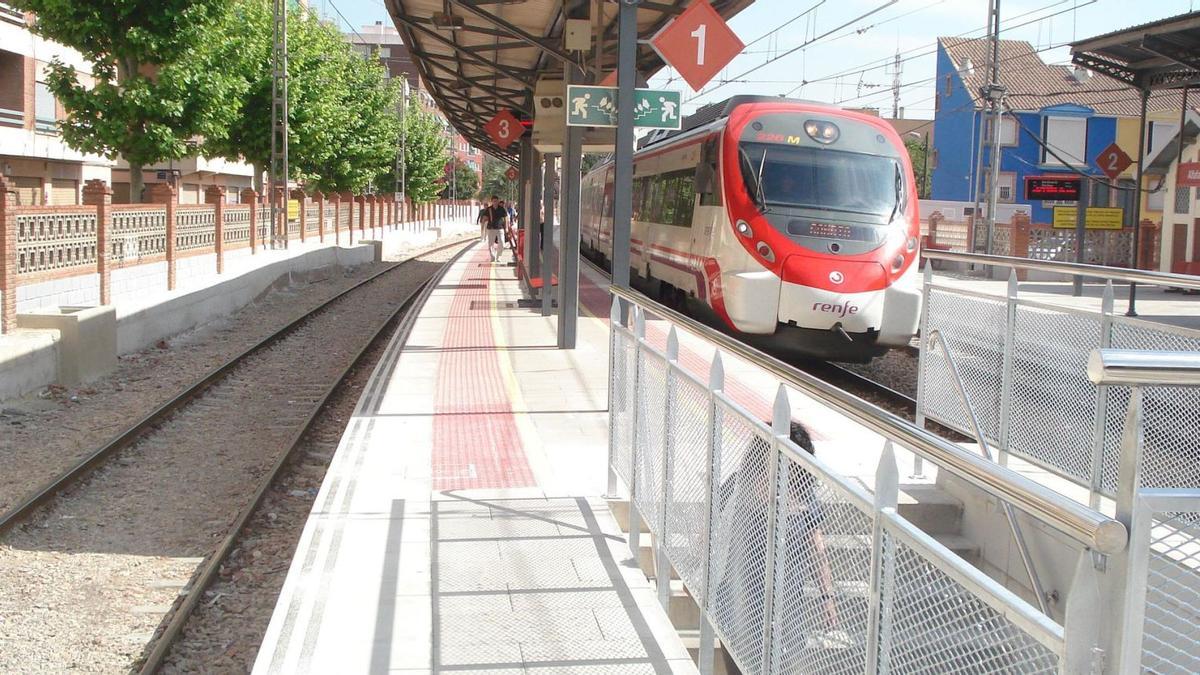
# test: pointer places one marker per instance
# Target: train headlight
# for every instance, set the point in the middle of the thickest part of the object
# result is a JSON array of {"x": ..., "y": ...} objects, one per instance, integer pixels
[
  {"x": 743, "y": 228},
  {"x": 822, "y": 131},
  {"x": 898, "y": 262},
  {"x": 911, "y": 245},
  {"x": 765, "y": 251}
]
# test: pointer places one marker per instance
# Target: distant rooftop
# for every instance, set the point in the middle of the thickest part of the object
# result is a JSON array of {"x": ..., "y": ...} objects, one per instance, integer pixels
[{"x": 1034, "y": 84}]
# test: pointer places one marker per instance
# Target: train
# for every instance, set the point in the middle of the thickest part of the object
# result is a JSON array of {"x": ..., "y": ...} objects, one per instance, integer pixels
[{"x": 791, "y": 224}]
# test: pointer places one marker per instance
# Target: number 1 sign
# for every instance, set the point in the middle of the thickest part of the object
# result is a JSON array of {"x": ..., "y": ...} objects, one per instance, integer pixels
[{"x": 698, "y": 43}]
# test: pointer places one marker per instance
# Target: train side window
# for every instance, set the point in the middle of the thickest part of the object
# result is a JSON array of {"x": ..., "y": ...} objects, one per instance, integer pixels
[
  {"x": 670, "y": 199},
  {"x": 656, "y": 199},
  {"x": 687, "y": 200},
  {"x": 706, "y": 182},
  {"x": 639, "y": 189}
]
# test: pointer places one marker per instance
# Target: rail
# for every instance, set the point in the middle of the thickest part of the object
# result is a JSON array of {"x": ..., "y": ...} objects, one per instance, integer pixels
[
  {"x": 1083, "y": 524},
  {"x": 1149, "y": 277},
  {"x": 1144, "y": 368}
]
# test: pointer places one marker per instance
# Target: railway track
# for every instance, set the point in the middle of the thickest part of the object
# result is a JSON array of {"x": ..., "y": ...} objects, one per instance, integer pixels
[{"x": 165, "y": 489}]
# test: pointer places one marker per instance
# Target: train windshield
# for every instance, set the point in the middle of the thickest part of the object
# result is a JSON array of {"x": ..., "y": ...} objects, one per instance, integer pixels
[{"x": 821, "y": 178}]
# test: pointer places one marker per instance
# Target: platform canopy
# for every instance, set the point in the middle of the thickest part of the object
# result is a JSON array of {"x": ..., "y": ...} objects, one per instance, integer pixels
[
  {"x": 478, "y": 57},
  {"x": 1159, "y": 55}
]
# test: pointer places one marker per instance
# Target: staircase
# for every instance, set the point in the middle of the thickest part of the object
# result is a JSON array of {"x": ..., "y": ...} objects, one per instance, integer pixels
[{"x": 822, "y": 649}]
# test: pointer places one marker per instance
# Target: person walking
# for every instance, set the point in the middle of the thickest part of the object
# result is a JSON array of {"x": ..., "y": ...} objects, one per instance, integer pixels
[{"x": 497, "y": 217}]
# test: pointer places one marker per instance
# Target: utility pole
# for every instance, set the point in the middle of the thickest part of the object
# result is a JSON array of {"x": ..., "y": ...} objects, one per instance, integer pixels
[
  {"x": 400, "y": 187},
  {"x": 896, "y": 87},
  {"x": 279, "y": 126},
  {"x": 994, "y": 93}
]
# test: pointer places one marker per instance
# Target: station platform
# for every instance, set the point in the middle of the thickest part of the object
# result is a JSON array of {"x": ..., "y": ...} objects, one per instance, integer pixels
[{"x": 460, "y": 527}]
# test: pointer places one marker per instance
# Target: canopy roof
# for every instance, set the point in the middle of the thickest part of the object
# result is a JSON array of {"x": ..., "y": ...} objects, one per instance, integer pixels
[
  {"x": 1162, "y": 54},
  {"x": 497, "y": 50}
]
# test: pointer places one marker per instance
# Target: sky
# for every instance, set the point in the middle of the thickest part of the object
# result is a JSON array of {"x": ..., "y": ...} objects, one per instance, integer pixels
[{"x": 843, "y": 49}]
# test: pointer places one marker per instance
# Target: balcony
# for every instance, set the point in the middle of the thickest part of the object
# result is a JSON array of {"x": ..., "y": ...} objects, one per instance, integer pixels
[
  {"x": 10, "y": 14},
  {"x": 11, "y": 118}
]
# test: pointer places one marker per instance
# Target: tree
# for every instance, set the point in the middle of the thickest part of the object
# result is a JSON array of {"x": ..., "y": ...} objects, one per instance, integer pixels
[
  {"x": 494, "y": 180},
  {"x": 342, "y": 114},
  {"x": 425, "y": 154},
  {"x": 920, "y": 163},
  {"x": 461, "y": 180},
  {"x": 155, "y": 90}
]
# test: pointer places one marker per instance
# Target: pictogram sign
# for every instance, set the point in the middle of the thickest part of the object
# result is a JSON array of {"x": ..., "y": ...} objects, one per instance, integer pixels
[
  {"x": 589, "y": 106},
  {"x": 504, "y": 128},
  {"x": 511, "y": 174},
  {"x": 698, "y": 43}
]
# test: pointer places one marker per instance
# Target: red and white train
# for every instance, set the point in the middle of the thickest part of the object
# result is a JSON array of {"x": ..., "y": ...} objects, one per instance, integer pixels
[{"x": 794, "y": 223}]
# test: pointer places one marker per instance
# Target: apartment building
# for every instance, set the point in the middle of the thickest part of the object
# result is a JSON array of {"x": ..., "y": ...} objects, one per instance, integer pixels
[{"x": 32, "y": 154}]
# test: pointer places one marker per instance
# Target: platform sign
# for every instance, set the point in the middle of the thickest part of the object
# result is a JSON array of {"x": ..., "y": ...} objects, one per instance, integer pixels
[
  {"x": 589, "y": 106},
  {"x": 1096, "y": 218},
  {"x": 293, "y": 209},
  {"x": 1055, "y": 188},
  {"x": 504, "y": 128},
  {"x": 698, "y": 43},
  {"x": 1188, "y": 175},
  {"x": 1113, "y": 161},
  {"x": 511, "y": 174}
]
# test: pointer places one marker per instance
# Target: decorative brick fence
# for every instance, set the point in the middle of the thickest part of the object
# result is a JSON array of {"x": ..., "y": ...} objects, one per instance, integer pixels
[{"x": 89, "y": 244}]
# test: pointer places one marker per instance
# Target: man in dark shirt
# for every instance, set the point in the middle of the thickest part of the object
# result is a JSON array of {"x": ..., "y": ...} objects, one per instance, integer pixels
[{"x": 497, "y": 217}]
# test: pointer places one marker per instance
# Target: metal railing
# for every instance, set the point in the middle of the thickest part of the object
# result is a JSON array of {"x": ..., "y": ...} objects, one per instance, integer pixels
[
  {"x": 1083, "y": 524},
  {"x": 797, "y": 568},
  {"x": 1075, "y": 269},
  {"x": 1160, "y": 601},
  {"x": 1023, "y": 364}
]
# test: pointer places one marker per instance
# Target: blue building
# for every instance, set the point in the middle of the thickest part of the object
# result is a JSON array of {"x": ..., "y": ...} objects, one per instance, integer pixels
[{"x": 1061, "y": 120}]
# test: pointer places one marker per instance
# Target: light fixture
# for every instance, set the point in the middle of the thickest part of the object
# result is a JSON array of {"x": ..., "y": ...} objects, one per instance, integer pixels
[
  {"x": 822, "y": 131},
  {"x": 765, "y": 251},
  {"x": 743, "y": 228}
]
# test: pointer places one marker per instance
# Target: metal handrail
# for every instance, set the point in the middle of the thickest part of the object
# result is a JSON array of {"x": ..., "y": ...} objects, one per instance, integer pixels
[
  {"x": 1087, "y": 526},
  {"x": 1136, "y": 368},
  {"x": 1091, "y": 271},
  {"x": 1035, "y": 582}
]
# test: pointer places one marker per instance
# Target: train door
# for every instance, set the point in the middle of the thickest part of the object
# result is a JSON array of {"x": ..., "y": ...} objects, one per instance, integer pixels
[{"x": 708, "y": 213}]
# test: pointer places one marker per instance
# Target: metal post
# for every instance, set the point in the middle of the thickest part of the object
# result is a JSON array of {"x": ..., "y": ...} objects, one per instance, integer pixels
[
  {"x": 623, "y": 162},
  {"x": 1006, "y": 374},
  {"x": 548, "y": 237},
  {"x": 1137, "y": 202},
  {"x": 1083, "y": 619},
  {"x": 279, "y": 124},
  {"x": 616, "y": 378},
  {"x": 781, "y": 425},
  {"x": 1131, "y": 624},
  {"x": 635, "y": 519},
  {"x": 662, "y": 566},
  {"x": 995, "y": 95},
  {"x": 716, "y": 383},
  {"x": 918, "y": 463},
  {"x": 1099, "y": 422},
  {"x": 568, "y": 259},
  {"x": 887, "y": 493},
  {"x": 533, "y": 224},
  {"x": 1081, "y": 208}
]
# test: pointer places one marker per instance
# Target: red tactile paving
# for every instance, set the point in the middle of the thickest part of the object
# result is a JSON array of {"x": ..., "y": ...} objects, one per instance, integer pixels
[{"x": 475, "y": 438}]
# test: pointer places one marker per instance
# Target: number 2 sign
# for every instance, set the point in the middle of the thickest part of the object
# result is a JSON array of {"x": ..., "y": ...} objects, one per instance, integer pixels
[
  {"x": 1113, "y": 160},
  {"x": 698, "y": 43},
  {"x": 504, "y": 128}
]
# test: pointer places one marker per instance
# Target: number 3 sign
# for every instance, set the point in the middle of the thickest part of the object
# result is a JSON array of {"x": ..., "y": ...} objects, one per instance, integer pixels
[
  {"x": 698, "y": 43},
  {"x": 504, "y": 129}
]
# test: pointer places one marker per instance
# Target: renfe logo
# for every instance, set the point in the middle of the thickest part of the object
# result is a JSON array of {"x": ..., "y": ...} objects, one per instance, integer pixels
[{"x": 839, "y": 308}]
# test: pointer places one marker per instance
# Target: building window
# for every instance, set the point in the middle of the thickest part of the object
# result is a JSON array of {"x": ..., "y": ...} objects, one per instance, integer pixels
[
  {"x": 949, "y": 86},
  {"x": 45, "y": 113},
  {"x": 1006, "y": 186},
  {"x": 1067, "y": 137},
  {"x": 1154, "y": 200},
  {"x": 1008, "y": 130},
  {"x": 1158, "y": 135},
  {"x": 1183, "y": 197}
]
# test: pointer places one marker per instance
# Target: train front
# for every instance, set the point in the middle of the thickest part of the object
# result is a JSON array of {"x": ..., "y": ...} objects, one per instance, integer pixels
[{"x": 824, "y": 200}]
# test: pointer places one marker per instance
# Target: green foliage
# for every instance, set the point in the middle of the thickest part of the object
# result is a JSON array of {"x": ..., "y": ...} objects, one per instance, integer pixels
[
  {"x": 494, "y": 180},
  {"x": 156, "y": 85},
  {"x": 342, "y": 121},
  {"x": 920, "y": 163},
  {"x": 425, "y": 154},
  {"x": 465, "y": 183}
]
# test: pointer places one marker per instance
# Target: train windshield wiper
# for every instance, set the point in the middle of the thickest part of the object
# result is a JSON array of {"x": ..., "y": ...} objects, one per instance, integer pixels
[{"x": 899, "y": 189}]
